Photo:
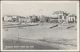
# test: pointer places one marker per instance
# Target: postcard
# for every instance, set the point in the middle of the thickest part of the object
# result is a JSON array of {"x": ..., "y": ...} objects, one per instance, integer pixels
[{"x": 39, "y": 25}]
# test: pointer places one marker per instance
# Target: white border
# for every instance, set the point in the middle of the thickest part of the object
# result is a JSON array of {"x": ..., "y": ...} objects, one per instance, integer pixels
[
  {"x": 46, "y": 50},
  {"x": 1, "y": 29},
  {"x": 78, "y": 26}
]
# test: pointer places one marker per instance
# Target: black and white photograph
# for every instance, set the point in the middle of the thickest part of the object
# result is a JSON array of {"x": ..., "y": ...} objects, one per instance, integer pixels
[{"x": 39, "y": 25}]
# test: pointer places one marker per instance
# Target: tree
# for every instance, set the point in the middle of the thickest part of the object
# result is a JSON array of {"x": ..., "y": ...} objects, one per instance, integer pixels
[{"x": 62, "y": 15}]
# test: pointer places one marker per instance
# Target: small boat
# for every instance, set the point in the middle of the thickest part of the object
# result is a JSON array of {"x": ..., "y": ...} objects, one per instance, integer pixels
[
  {"x": 32, "y": 24},
  {"x": 70, "y": 27},
  {"x": 54, "y": 26}
]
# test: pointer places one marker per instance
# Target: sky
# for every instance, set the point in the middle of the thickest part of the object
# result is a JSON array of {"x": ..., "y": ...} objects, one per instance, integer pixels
[{"x": 26, "y": 8}]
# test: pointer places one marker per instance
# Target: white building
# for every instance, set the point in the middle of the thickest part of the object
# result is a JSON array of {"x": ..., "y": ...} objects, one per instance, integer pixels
[
  {"x": 7, "y": 18},
  {"x": 28, "y": 19},
  {"x": 71, "y": 18}
]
